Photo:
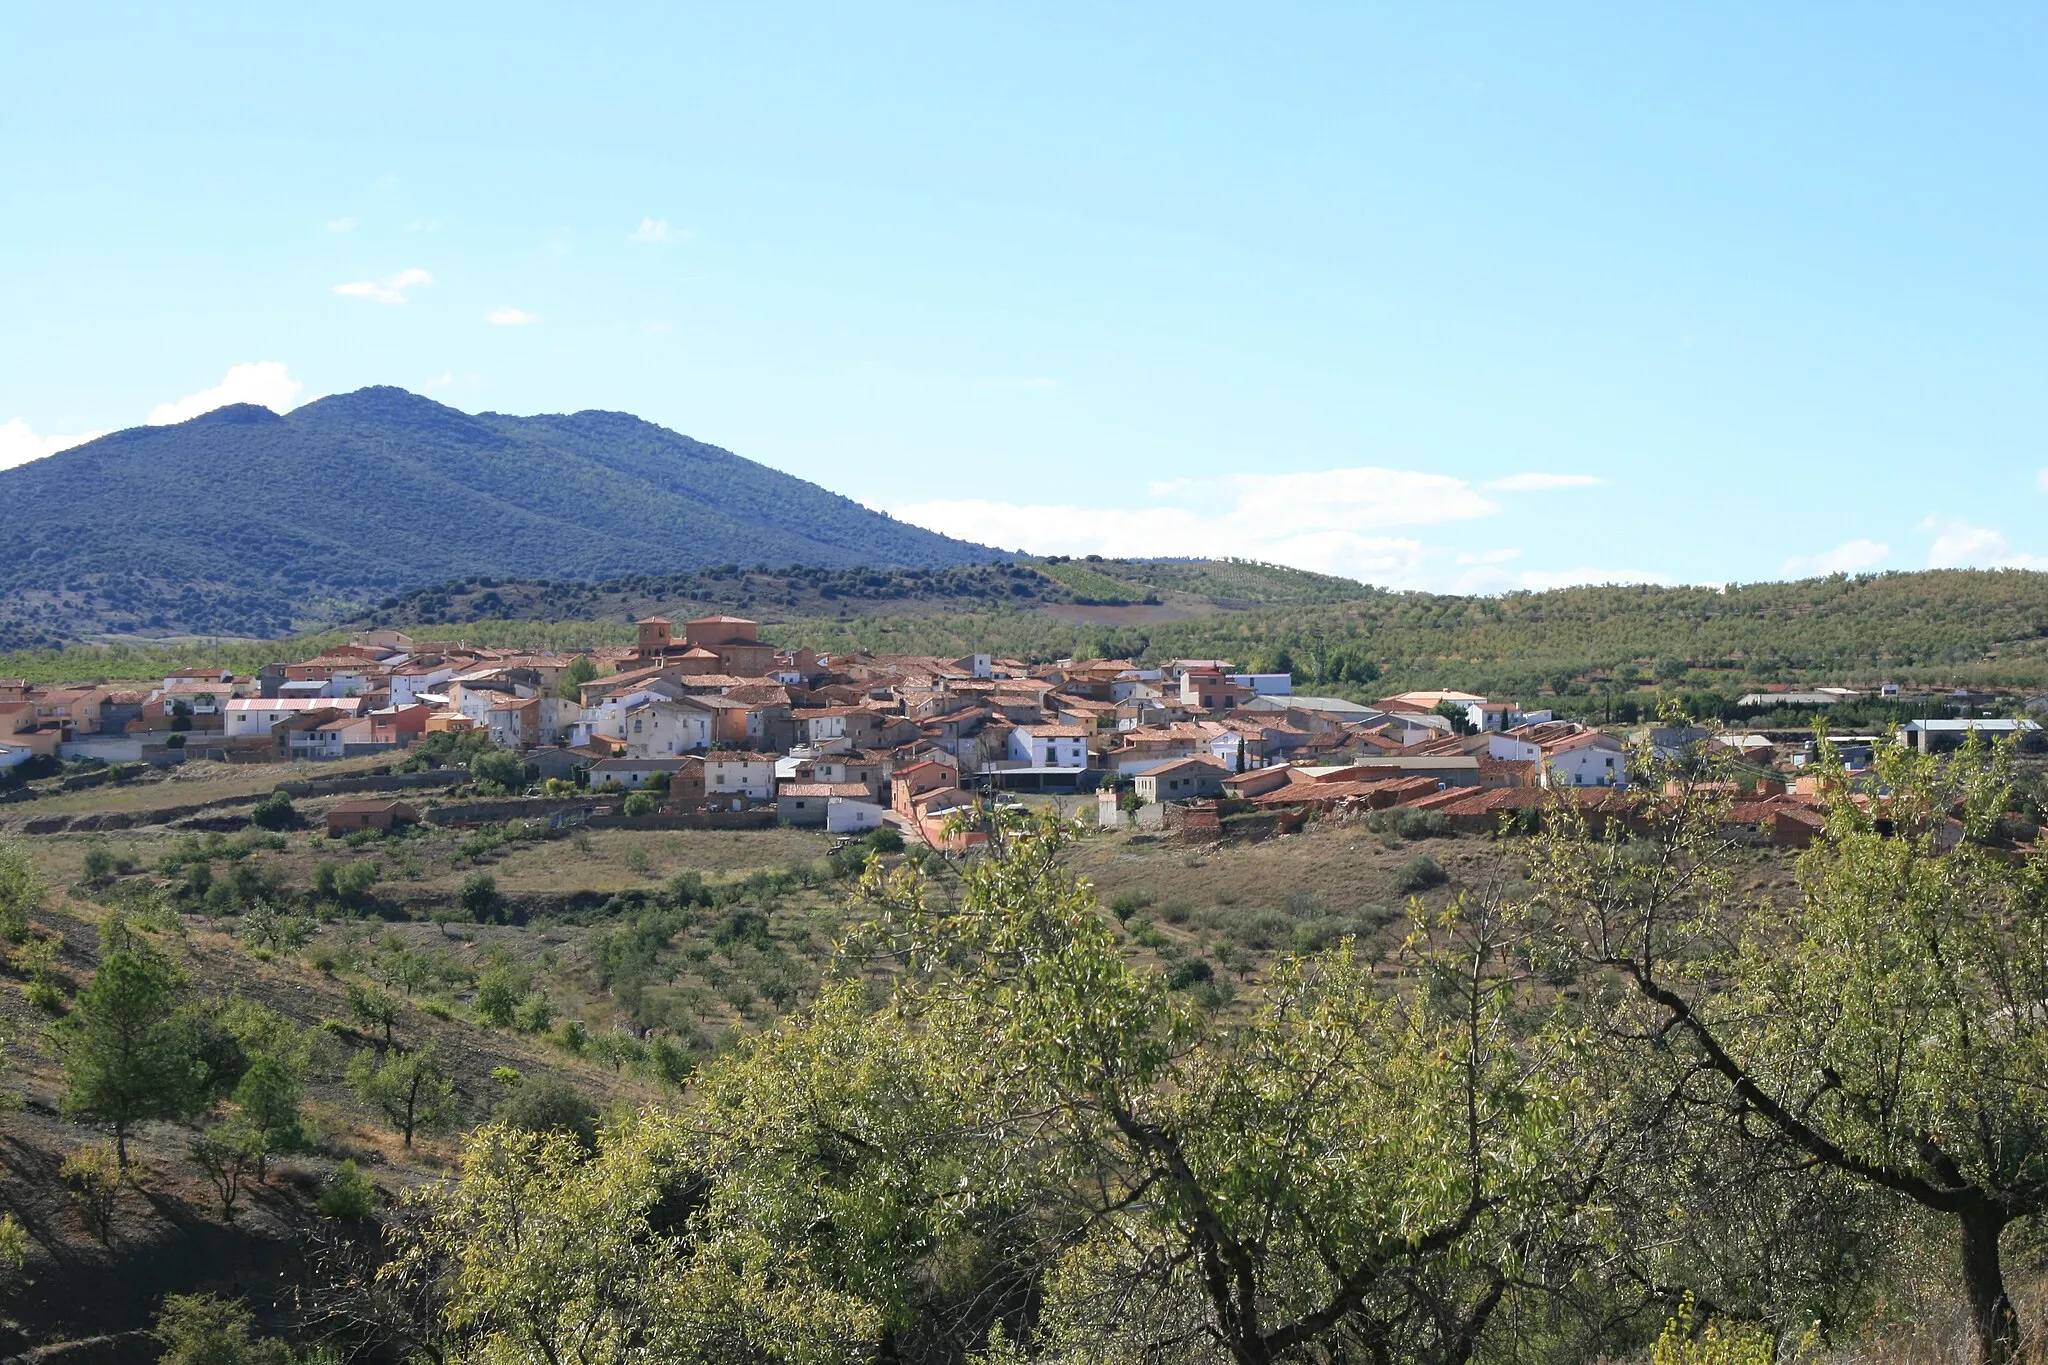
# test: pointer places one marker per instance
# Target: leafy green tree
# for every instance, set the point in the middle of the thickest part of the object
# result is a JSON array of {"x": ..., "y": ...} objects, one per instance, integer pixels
[
  {"x": 581, "y": 670},
  {"x": 93, "y": 1175},
  {"x": 1884, "y": 1026},
  {"x": 499, "y": 993},
  {"x": 639, "y": 803},
  {"x": 21, "y": 891},
  {"x": 479, "y": 897},
  {"x": 202, "y": 1329},
  {"x": 269, "y": 1100},
  {"x": 228, "y": 1152},
  {"x": 498, "y": 769},
  {"x": 372, "y": 1010},
  {"x": 546, "y": 1252},
  {"x": 410, "y": 1089},
  {"x": 126, "y": 1058},
  {"x": 275, "y": 812},
  {"x": 348, "y": 1194}
]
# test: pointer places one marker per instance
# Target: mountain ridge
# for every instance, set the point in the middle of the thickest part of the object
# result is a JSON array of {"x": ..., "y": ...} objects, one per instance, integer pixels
[{"x": 244, "y": 521}]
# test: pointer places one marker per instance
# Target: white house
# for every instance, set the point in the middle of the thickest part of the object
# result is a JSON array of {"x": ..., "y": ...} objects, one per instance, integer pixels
[
  {"x": 607, "y": 717},
  {"x": 408, "y": 683},
  {"x": 734, "y": 772},
  {"x": 1587, "y": 759},
  {"x": 844, "y": 815},
  {"x": 633, "y": 772},
  {"x": 660, "y": 728},
  {"x": 1050, "y": 746},
  {"x": 251, "y": 716},
  {"x": 1265, "y": 684}
]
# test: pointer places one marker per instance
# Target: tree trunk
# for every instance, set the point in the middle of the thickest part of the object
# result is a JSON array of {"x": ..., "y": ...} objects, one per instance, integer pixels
[
  {"x": 121, "y": 1147},
  {"x": 1991, "y": 1312}
]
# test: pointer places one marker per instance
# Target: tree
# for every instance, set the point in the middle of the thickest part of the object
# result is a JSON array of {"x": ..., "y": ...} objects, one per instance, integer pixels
[
  {"x": 640, "y": 803},
  {"x": 499, "y": 769},
  {"x": 201, "y": 1329},
  {"x": 580, "y": 671},
  {"x": 479, "y": 897},
  {"x": 1885, "y": 1026},
  {"x": 21, "y": 891},
  {"x": 373, "y": 1010},
  {"x": 227, "y": 1152},
  {"x": 412, "y": 1089},
  {"x": 268, "y": 1101},
  {"x": 275, "y": 812},
  {"x": 93, "y": 1175},
  {"x": 126, "y": 1060}
]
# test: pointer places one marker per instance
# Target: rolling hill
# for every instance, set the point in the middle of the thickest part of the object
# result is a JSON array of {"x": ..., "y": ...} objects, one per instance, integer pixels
[{"x": 243, "y": 522}]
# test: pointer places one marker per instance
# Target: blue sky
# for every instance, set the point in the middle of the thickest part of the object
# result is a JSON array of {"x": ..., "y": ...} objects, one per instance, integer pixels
[{"x": 1474, "y": 300}]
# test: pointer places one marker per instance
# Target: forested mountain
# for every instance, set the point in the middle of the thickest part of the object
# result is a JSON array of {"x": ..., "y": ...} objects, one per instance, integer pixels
[{"x": 243, "y": 522}]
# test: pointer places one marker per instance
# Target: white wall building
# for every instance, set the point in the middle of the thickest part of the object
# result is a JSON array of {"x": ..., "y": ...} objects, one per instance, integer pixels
[
  {"x": 846, "y": 816},
  {"x": 247, "y": 716},
  {"x": 659, "y": 728},
  {"x": 1049, "y": 746},
  {"x": 731, "y": 772}
]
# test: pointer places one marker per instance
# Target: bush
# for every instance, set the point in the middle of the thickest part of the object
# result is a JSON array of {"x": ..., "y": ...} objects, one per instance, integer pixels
[
  {"x": 1192, "y": 972},
  {"x": 93, "y": 1175},
  {"x": 479, "y": 898},
  {"x": 1423, "y": 824},
  {"x": 499, "y": 995},
  {"x": 1128, "y": 903},
  {"x": 549, "y": 1104},
  {"x": 1420, "y": 874},
  {"x": 534, "y": 1014},
  {"x": 276, "y": 812},
  {"x": 640, "y": 803},
  {"x": 498, "y": 769},
  {"x": 348, "y": 1194},
  {"x": 887, "y": 839},
  {"x": 201, "y": 1329}
]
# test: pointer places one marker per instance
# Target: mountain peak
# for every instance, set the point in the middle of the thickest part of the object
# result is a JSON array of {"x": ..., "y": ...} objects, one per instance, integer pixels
[{"x": 241, "y": 522}]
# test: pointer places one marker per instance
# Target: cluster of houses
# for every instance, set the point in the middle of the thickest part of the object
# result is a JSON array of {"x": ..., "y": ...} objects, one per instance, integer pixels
[{"x": 719, "y": 721}]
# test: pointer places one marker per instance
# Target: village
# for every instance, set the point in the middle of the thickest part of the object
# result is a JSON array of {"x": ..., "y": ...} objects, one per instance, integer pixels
[{"x": 716, "y": 728}]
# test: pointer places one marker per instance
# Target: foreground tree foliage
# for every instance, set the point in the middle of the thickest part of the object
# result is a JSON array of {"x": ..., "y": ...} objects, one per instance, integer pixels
[
  {"x": 1626, "y": 1109},
  {"x": 1036, "y": 1135},
  {"x": 1886, "y": 1032}
]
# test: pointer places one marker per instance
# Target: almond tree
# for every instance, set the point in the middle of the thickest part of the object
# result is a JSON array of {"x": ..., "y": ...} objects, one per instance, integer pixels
[{"x": 1890, "y": 1024}]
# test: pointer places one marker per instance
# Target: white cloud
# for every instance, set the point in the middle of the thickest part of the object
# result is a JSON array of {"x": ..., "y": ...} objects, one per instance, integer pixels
[
  {"x": 1959, "y": 545},
  {"x": 389, "y": 291},
  {"x": 509, "y": 317},
  {"x": 1499, "y": 556},
  {"x": 441, "y": 383},
  {"x": 657, "y": 232},
  {"x": 19, "y": 444},
  {"x": 264, "y": 382},
  {"x": 1851, "y": 556},
  {"x": 2042, "y": 479},
  {"x": 424, "y": 225},
  {"x": 1330, "y": 520},
  {"x": 341, "y": 225},
  {"x": 1533, "y": 482}
]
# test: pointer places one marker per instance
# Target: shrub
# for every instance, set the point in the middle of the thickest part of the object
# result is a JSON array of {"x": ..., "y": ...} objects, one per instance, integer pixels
[
  {"x": 497, "y": 769},
  {"x": 1423, "y": 824},
  {"x": 534, "y": 1014},
  {"x": 499, "y": 995},
  {"x": 640, "y": 803},
  {"x": 549, "y": 1104},
  {"x": 1191, "y": 972},
  {"x": 99, "y": 864},
  {"x": 348, "y": 1194},
  {"x": 1420, "y": 874},
  {"x": 275, "y": 811},
  {"x": 1128, "y": 903},
  {"x": 93, "y": 1175},
  {"x": 887, "y": 839},
  {"x": 201, "y": 1329},
  {"x": 479, "y": 897}
]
